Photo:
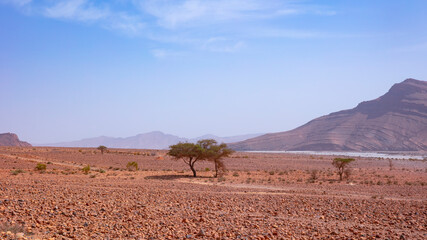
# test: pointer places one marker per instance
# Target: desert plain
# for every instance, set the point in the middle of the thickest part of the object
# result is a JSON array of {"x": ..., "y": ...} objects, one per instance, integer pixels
[{"x": 261, "y": 196}]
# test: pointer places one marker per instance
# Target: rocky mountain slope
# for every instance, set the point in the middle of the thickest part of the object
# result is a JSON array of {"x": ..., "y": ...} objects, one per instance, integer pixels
[
  {"x": 151, "y": 140},
  {"x": 11, "y": 139},
  {"x": 396, "y": 121}
]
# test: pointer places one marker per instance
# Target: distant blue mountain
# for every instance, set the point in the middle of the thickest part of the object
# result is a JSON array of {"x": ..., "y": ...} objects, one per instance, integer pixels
[{"x": 150, "y": 140}]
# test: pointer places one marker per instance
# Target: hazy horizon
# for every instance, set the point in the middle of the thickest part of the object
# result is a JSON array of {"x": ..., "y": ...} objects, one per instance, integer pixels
[{"x": 78, "y": 69}]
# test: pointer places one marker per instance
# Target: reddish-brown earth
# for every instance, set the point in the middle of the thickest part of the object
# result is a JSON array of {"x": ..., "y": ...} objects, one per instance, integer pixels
[{"x": 262, "y": 196}]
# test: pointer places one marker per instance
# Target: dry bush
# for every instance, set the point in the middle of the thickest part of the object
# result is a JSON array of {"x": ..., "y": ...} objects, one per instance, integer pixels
[
  {"x": 86, "y": 169},
  {"x": 342, "y": 165},
  {"x": 314, "y": 175},
  {"x": 16, "y": 172},
  {"x": 41, "y": 167},
  {"x": 132, "y": 166},
  {"x": 347, "y": 173}
]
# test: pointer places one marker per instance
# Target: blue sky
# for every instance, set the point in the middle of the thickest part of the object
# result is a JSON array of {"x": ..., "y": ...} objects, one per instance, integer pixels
[{"x": 71, "y": 69}]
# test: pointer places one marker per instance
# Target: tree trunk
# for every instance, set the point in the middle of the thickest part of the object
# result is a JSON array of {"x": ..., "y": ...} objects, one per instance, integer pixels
[
  {"x": 216, "y": 169},
  {"x": 193, "y": 170}
]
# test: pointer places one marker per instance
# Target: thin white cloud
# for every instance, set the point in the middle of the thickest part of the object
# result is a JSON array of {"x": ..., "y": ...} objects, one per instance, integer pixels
[
  {"x": 194, "y": 24},
  {"x": 176, "y": 13},
  {"x": 17, "y": 2},
  {"x": 79, "y": 10},
  {"x": 86, "y": 11},
  {"x": 123, "y": 22}
]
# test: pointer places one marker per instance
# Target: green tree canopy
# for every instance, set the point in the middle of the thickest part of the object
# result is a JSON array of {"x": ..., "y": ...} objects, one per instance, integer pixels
[
  {"x": 102, "y": 148},
  {"x": 215, "y": 153},
  {"x": 190, "y": 153},
  {"x": 206, "y": 150}
]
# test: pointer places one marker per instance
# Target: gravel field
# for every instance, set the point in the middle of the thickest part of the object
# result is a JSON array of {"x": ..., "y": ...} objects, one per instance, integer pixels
[{"x": 262, "y": 196}]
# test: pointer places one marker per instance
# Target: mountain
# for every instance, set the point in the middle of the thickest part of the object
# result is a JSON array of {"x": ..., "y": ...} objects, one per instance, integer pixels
[
  {"x": 396, "y": 121},
  {"x": 11, "y": 139},
  {"x": 151, "y": 140},
  {"x": 226, "y": 139}
]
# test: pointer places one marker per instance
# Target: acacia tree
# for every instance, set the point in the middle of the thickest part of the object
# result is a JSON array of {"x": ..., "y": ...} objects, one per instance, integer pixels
[
  {"x": 190, "y": 153},
  {"x": 341, "y": 164},
  {"x": 215, "y": 153},
  {"x": 102, "y": 148}
]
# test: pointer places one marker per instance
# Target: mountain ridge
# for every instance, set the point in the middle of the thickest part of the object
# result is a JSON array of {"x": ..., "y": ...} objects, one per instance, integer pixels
[
  {"x": 396, "y": 121},
  {"x": 11, "y": 139},
  {"x": 149, "y": 140}
]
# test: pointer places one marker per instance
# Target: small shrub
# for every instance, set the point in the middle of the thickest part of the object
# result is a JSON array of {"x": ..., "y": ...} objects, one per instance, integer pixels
[
  {"x": 92, "y": 176},
  {"x": 18, "y": 171},
  {"x": 314, "y": 175},
  {"x": 207, "y": 169},
  {"x": 41, "y": 167},
  {"x": 221, "y": 179},
  {"x": 271, "y": 173},
  {"x": 86, "y": 169},
  {"x": 235, "y": 174},
  {"x": 132, "y": 166},
  {"x": 49, "y": 163},
  {"x": 347, "y": 173}
]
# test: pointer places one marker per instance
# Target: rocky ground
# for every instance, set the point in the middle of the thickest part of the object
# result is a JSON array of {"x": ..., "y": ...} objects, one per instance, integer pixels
[{"x": 262, "y": 196}]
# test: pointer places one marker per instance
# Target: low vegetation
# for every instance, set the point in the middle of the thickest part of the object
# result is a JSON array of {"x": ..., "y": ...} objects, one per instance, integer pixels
[
  {"x": 17, "y": 171},
  {"x": 41, "y": 167},
  {"x": 86, "y": 169},
  {"x": 203, "y": 150},
  {"x": 132, "y": 166},
  {"x": 248, "y": 201},
  {"x": 342, "y": 166},
  {"x": 102, "y": 148}
]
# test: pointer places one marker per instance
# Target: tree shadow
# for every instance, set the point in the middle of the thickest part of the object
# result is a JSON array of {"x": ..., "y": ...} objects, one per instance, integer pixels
[{"x": 173, "y": 177}]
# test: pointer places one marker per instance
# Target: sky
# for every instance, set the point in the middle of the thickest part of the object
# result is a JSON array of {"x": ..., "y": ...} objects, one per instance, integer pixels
[{"x": 73, "y": 69}]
